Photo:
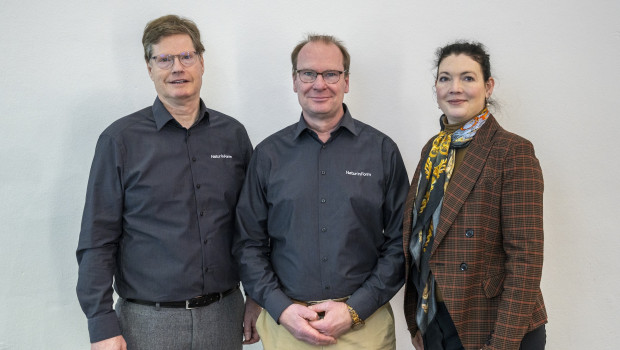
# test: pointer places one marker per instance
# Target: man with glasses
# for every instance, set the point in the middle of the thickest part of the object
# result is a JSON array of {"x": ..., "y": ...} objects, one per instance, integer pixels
[
  {"x": 159, "y": 213},
  {"x": 319, "y": 239}
]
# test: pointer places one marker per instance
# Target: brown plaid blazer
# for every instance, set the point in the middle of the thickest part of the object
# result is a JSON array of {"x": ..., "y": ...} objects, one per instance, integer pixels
[{"x": 487, "y": 255}]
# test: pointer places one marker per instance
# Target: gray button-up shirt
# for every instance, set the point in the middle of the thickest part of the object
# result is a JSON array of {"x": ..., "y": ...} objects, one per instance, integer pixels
[
  {"x": 159, "y": 213},
  {"x": 323, "y": 220}
]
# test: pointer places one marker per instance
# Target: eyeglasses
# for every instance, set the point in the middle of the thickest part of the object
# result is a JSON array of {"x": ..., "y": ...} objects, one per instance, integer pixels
[
  {"x": 329, "y": 76},
  {"x": 166, "y": 61}
]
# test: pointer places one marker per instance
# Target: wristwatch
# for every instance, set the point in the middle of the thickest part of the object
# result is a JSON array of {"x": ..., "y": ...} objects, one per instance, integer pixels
[{"x": 357, "y": 322}]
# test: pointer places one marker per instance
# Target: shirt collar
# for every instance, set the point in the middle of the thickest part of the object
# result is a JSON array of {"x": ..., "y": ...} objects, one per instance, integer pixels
[
  {"x": 162, "y": 116},
  {"x": 346, "y": 122}
]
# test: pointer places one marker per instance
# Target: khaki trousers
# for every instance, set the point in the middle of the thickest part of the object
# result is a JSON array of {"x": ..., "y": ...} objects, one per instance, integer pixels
[{"x": 377, "y": 334}]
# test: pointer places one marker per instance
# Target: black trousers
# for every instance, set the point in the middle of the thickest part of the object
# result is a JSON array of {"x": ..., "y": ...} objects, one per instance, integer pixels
[
  {"x": 441, "y": 334},
  {"x": 535, "y": 340}
]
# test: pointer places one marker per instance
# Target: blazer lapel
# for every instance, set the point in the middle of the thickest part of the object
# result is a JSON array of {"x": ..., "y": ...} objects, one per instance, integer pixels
[{"x": 465, "y": 178}]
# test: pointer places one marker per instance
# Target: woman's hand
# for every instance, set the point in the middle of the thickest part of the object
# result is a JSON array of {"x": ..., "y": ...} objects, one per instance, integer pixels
[{"x": 417, "y": 342}]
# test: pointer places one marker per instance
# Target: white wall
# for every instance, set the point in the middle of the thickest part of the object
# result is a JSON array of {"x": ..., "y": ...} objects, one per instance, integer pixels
[{"x": 70, "y": 68}]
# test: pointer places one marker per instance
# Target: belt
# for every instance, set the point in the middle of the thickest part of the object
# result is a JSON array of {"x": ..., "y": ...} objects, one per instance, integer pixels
[
  {"x": 308, "y": 303},
  {"x": 199, "y": 301}
]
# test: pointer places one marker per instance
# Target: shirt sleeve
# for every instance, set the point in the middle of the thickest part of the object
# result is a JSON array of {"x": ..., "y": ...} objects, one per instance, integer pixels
[
  {"x": 388, "y": 275},
  {"x": 99, "y": 238},
  {"x": 246, "y": 147},
  {"x": 251, "y": 245},
  {"x": 522, "y": 231}
]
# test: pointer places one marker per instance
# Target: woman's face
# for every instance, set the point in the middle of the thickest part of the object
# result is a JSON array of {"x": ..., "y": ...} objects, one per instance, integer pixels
[{"x": 461, "y": 89}]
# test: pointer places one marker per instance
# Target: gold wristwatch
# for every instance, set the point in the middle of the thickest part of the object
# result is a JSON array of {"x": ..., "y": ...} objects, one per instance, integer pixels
[{"x": 357, "y": 322}]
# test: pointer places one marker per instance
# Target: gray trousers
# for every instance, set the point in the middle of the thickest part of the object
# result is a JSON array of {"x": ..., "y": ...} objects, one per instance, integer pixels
[{"x": 218, "y": 326}]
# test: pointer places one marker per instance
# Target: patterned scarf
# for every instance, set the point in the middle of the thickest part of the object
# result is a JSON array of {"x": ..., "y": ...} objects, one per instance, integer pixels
[{"x": 427, "y": 209}]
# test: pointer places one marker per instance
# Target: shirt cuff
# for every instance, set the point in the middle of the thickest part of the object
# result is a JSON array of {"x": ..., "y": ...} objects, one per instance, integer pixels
[
  {"x": 276, "y": 303},
  {"x": 103, "y": 327},
  {"x": 359, "y": 301}
]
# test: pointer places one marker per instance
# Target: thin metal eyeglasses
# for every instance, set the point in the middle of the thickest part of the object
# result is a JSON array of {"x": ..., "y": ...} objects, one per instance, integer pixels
[
  {"x": 329, "y": 76},
  {"x": 187, "y": 59}
]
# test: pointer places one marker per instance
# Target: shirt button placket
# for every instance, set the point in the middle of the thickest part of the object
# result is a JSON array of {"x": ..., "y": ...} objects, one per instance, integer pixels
[
  {"x": 323, "y": 210},
  {"x": 321, "y": 189}
]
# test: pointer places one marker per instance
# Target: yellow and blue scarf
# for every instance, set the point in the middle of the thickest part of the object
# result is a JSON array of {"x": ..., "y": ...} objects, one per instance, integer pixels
[{"x": 432, "y": 184}]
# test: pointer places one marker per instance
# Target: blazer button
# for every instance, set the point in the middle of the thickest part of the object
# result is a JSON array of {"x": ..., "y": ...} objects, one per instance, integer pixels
[
  {"x": 469, "y": 233},
  {"x": 463, "y": 267}
]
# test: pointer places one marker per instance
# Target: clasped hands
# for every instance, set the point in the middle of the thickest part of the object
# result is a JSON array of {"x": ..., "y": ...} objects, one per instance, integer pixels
[{"x": 304, "y": 323}]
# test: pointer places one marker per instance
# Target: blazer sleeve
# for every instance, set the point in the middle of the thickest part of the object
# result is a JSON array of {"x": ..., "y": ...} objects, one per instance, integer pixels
[{"x": 522, "y": 240}]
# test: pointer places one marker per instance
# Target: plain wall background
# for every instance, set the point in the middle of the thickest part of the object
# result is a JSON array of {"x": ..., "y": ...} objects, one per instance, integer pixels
[{"x": 72, "y": 67}]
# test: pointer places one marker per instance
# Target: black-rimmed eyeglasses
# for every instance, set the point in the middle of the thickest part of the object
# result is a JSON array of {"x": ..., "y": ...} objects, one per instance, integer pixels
[{"x": 329, "y": 76}]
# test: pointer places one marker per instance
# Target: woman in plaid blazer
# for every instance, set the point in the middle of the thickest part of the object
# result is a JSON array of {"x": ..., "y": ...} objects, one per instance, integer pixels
[{"x": 473, "y": 223}]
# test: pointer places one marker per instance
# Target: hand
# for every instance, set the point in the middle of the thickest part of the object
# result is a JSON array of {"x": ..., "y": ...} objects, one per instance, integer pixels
[
  {"x": 252, "y": 310},
  {"x": 114, "y": 343},
  {"x": 337, "y": 318},
  {"x": 295, "y": 319},
  {"x": 417, "y": 341}
]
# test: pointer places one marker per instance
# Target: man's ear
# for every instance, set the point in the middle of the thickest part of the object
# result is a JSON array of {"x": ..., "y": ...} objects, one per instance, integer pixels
[{"x": 150, "y": 70}]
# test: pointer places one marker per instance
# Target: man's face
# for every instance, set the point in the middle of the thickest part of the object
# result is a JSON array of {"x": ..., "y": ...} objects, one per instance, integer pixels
[
  {"x": 320, "y": 100},
  {"x": 177, "y": 85}
]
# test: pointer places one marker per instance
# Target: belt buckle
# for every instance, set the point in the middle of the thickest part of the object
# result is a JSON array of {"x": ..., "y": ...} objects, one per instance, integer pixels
[
  {"x": 193, "y": 302},
  {"x": 202, "y": 300}
]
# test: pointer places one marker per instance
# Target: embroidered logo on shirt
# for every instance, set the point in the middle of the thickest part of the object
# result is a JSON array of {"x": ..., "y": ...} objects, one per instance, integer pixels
[
  {"x": 357, "y": 173},
  {"x": 220, "y": 156}
]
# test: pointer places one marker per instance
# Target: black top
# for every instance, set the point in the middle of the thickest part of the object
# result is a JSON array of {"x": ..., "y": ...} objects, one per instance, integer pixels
[
  {"x": 323, "y": 220},
  {"x": 159, "y": 213}
]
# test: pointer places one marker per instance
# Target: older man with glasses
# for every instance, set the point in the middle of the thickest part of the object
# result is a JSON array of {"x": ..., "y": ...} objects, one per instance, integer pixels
[
  {"x": 320, "y": 214},
  {"x": 159, "y": 213}
]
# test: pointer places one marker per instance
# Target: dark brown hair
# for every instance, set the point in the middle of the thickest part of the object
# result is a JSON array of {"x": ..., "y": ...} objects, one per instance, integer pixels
[{"x": 476, "y": 51}]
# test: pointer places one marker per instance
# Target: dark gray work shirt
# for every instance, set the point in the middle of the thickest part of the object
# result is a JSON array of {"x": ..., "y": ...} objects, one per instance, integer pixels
[
  {"x": 159, "y": 213},
  {"x": 323, "y": 220}
]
